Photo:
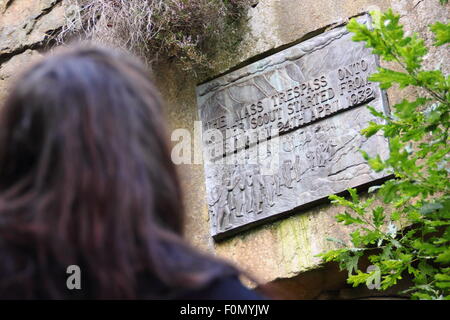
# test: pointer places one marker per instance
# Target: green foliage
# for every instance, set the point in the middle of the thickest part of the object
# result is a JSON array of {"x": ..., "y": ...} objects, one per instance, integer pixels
[
  {"x": 410, "y": 234},
  {"x": 442, "y": 32}
]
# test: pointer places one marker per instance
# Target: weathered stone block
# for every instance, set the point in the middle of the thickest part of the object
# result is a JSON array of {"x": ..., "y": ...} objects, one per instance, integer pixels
[
  {"x": 14, "y": 66},
  {"x": 27, "y": 23}
]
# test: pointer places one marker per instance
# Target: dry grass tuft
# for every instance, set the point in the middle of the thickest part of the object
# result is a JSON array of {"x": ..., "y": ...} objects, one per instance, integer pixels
[{"x": 186, "y": 31}]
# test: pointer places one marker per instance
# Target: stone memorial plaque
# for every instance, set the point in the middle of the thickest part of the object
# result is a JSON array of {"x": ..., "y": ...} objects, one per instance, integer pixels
[{"x": 283, "y": 133}]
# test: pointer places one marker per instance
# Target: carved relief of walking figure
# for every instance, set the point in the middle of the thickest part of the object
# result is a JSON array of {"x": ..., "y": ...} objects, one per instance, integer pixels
[
  {"x": 269, "y": 188},
  {"x": 224, "y": 212},
  {"x": 286, "y": 173},
  {"x": 231, "y": 187},
  {"x": 240, "y": 196},
  {"x": 312, "y": 160},
  {"x": 297, "y": 168},
  {"x": 322, "y": 154},
  {"x": 258, "y": 185},
  {"x": 213, "y": 199},
  {"x": 249, "y": 191},
  {"x": 277, "y": 179}
]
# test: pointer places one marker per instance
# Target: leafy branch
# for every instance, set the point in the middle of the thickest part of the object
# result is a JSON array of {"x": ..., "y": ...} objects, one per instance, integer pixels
[{"x": 409, "y": 235}]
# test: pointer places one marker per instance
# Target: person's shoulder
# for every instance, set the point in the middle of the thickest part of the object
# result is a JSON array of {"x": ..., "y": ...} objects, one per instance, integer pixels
[{"x": 225, "y": 288}]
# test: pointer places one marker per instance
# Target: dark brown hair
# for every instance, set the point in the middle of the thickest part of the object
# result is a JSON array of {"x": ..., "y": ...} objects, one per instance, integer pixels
[{"x": 86, "y": 179}]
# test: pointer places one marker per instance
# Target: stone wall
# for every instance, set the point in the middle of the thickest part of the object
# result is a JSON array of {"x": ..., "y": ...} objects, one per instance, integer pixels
[
  {"x": 25, "y": 30},
  {"x": 285, "y": 248},
  {"x": 280, "y": 250}
]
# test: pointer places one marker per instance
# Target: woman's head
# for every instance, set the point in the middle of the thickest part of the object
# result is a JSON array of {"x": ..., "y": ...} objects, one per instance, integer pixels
[{"x": 86, "y": 178}]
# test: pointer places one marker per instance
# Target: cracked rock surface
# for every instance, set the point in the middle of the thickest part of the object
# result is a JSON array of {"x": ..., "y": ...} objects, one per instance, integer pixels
[{"x": 25, "y": 27}]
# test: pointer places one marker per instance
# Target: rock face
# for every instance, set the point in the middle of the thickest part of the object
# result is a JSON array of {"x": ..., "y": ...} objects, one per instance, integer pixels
[
  {"x": 24, "y": 28},
  {"x": 275, "y": 251},
  {"x": 26, "y": 24}
]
